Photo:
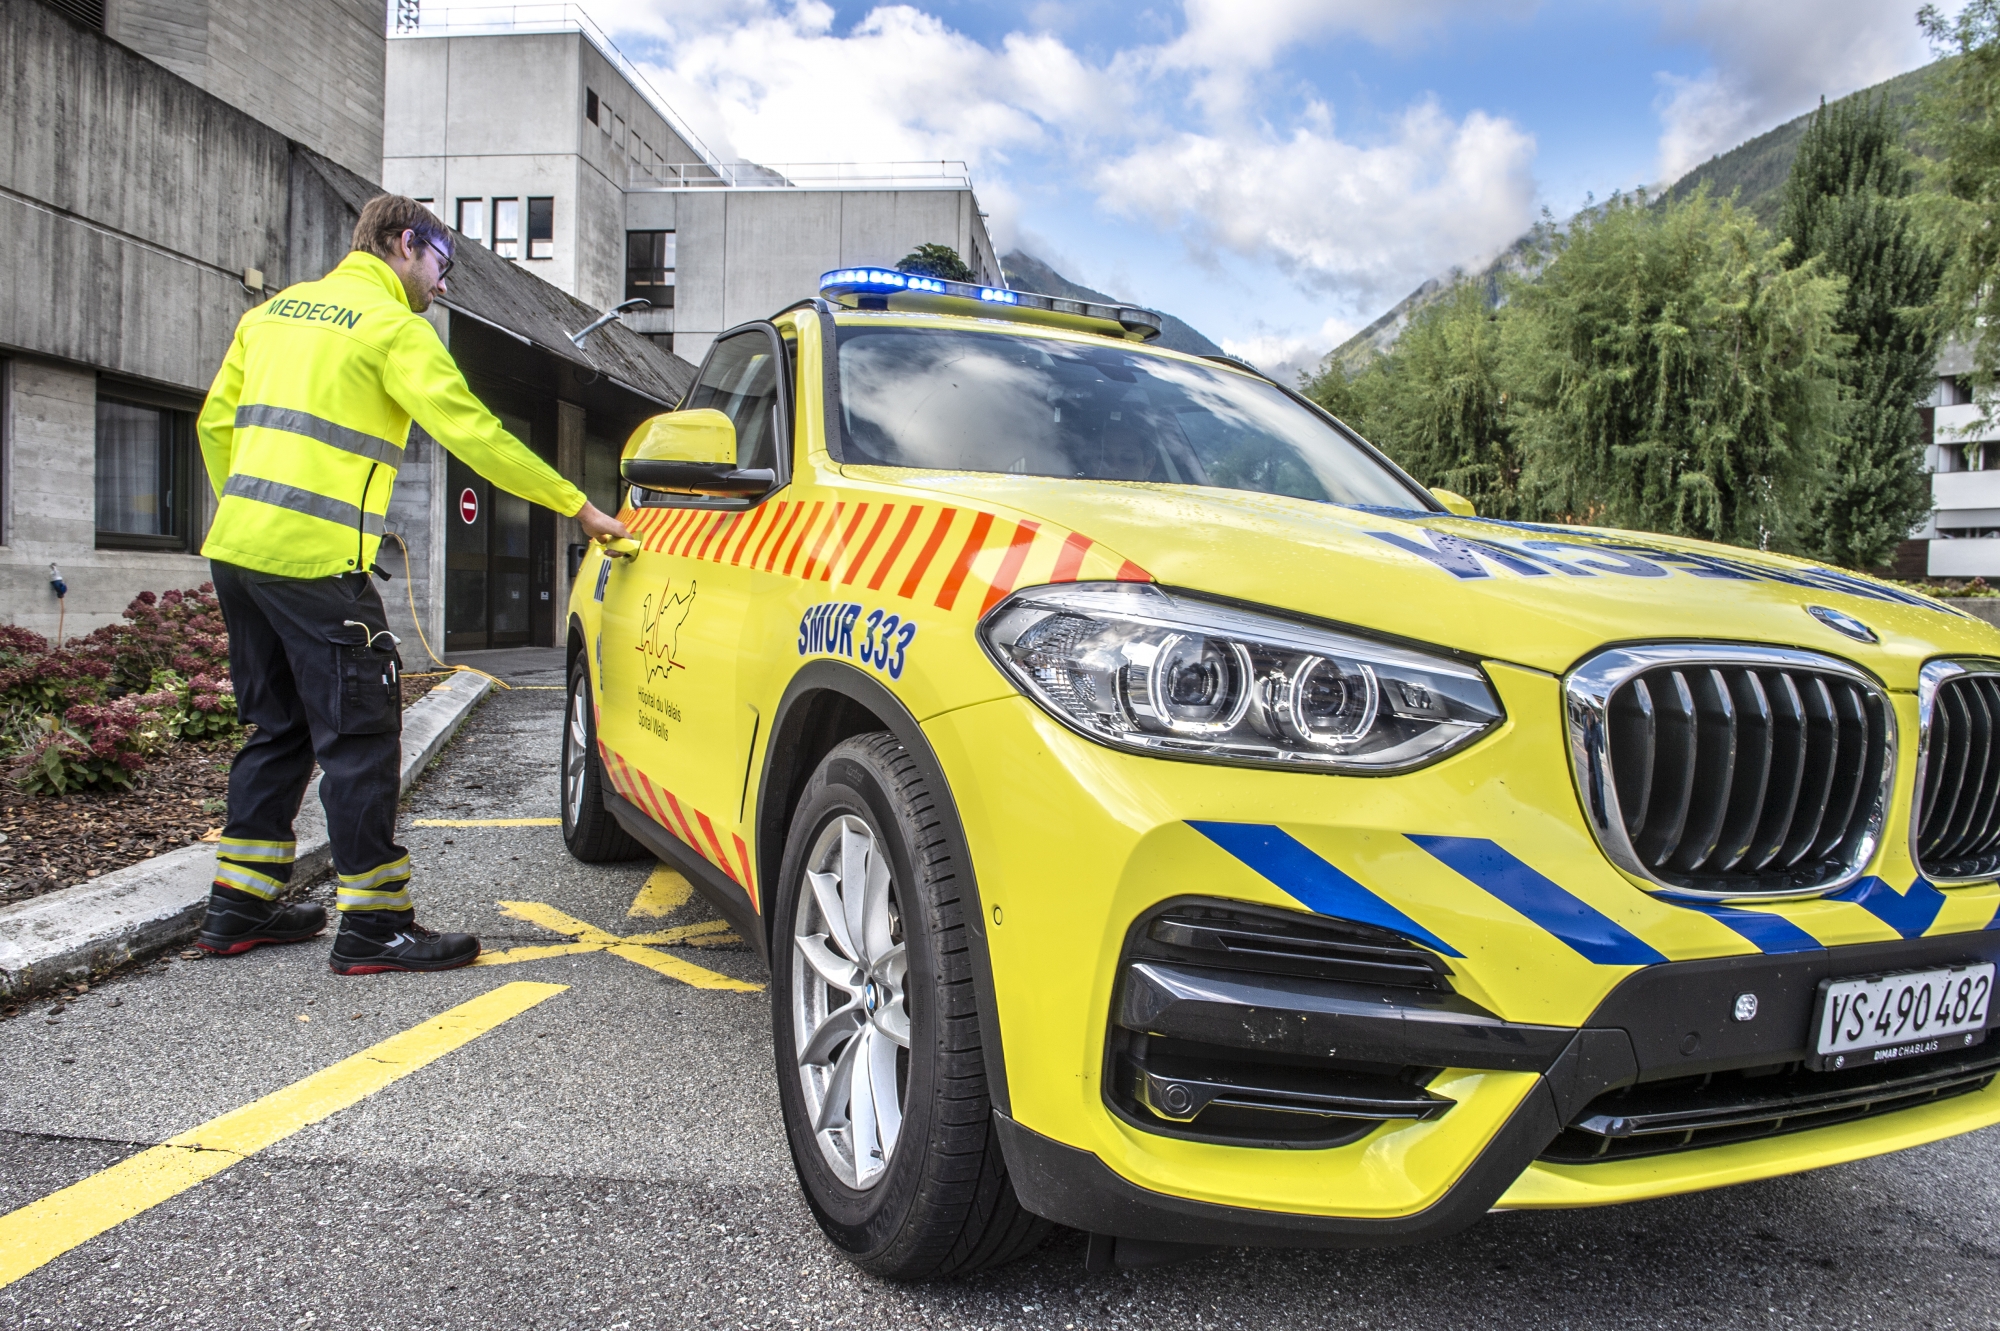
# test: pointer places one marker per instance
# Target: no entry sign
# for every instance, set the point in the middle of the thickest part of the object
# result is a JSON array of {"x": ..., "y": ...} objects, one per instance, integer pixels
[{"x": 468, "y": 506}]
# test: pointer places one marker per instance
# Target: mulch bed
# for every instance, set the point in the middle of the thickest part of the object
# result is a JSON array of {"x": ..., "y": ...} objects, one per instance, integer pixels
[{"x": 55, "y": 841}]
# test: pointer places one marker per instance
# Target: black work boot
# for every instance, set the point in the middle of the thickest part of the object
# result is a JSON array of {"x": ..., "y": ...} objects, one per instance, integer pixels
[
  {"x": 237, "y": 922},
  {"x": 373, "y": 941}
]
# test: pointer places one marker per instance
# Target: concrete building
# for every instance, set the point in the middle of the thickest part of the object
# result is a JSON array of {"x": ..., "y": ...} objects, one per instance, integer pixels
[
  {"x": 146, "y": 209},
  {"x": 540, "y": 139},
  {"x": 1961, "y": 539}
]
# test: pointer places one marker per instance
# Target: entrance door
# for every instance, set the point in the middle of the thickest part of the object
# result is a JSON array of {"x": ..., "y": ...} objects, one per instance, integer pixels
[{"x": 488, "y": 599}]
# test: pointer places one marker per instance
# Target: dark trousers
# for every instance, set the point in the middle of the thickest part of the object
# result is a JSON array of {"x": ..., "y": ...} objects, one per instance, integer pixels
[{"x": 318, "y": 676}]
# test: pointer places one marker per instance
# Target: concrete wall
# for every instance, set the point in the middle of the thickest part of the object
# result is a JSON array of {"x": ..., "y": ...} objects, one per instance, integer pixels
[
  {"x": 311, "y": 71},
  {"x": 50, "y": 427},
  {"x": 746, "y": 253},
  {"x": 503, "y": 115}
]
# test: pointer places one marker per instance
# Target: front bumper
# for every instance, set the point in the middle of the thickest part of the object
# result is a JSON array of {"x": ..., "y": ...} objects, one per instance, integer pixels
[
  {"x": 1664, "y": 1028},
  {"x": 1485, "y": 859}
]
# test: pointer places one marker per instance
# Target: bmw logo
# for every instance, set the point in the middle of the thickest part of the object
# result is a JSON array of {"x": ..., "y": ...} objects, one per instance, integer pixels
[{"x": 1841, "y": 622}]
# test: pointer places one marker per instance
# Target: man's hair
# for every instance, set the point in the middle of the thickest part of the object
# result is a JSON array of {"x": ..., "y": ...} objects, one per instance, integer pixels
[{"x": 387, "y": 216}]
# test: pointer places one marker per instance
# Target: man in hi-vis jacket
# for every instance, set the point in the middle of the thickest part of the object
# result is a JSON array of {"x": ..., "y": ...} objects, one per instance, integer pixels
[{"x": 302, "y": 432}]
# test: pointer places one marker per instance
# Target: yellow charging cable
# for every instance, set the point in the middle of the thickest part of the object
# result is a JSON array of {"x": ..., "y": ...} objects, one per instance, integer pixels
[{"x": 410, "y": 593}]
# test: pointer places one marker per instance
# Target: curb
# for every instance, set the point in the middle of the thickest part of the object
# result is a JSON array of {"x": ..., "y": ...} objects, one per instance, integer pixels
[{"x": 75, "y": 931}]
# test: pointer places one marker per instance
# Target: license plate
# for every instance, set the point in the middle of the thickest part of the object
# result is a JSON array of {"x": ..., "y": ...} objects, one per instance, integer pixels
[{"x": 1882, "y": 1018}]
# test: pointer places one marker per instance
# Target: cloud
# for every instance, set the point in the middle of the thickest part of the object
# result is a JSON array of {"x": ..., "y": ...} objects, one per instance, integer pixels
[
  {"x": 1772, "y": 60},
  {"x": 782, "y": 83},
  {"x": 1353, "y": 221},
  {"x": 1285, "y": 356}
]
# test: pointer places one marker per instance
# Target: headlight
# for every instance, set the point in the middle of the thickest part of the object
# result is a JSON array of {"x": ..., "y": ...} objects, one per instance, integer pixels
[{"x": 1138, "y": 668}]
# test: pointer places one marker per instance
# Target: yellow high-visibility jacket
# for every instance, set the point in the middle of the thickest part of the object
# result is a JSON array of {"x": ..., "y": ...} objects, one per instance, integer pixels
[{"x": 304, "y": 426}]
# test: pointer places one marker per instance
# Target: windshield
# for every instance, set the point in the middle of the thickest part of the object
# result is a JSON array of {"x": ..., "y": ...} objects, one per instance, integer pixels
[{"x": 950, "y": 400}]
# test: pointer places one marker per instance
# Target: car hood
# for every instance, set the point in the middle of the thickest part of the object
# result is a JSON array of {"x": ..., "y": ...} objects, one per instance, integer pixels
[{"x": 1540, "y": 596}]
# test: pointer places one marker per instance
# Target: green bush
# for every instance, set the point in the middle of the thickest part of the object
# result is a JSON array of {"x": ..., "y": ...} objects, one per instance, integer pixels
[
  {"x": 93, "y": 747},
  {"x": 203, "y": 708}
]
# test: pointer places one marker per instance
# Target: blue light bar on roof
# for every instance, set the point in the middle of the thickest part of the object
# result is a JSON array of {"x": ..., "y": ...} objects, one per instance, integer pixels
[{"x": 893, "y": 289}]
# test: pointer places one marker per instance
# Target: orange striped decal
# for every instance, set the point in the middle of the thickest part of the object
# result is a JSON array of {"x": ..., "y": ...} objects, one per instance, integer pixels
[
  {"x": 687, "y": 829},
  {"x": 683, "y": 542},
  {"x": 748, "y": 881},
  {"x": 955, "y": 578},
  {"x": 1131, "y": 572},
  {"x": 721, "y": 860},
  {"x": 867, "y": 543},
  {"x": 931, "y": 544},
  {"x": 749, "y": 530},
  {"x": 804, "y": 532},
  {"x": 773, "y": 528},
  {"x": 846, "y": 540},
  {"x": 720, "y": 526},
  {"x": 895, "y": 548},
  {"x": 812, "y": 555},
  {"x": 1070, "y": 559},
  {"x": 1010, "y": 564}
]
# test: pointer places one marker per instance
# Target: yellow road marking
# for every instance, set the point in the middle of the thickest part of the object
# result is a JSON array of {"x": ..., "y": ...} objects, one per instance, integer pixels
[
  {"x": 635, "y": 949},
  {"x": 685, "y": 971},
  {"x": 664, "y": 892},
  {"x": 486, "y": 822},
  {"x": 514, "y": 954},
  {"x": 44, "y": 1230},
  {"x": 708, "y": 933}
]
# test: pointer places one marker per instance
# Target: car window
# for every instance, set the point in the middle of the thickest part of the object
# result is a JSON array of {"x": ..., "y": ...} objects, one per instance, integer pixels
[
  {"x": 740, "y": 380},
  {"x": 973, "y": 401}
]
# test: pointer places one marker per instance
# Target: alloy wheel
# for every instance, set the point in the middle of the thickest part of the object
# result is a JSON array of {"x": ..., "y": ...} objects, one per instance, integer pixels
[
  {"x": 850, "y": 1014},
  {"x": 576, "y": 751}
]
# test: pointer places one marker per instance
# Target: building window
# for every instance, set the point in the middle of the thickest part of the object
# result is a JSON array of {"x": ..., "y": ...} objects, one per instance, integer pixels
[
  {"x": 472, "y": 219},
  {"x": 541, "y": 228},
  {"x": 649, "y": 267},
  {"x": 590, "y": 105},
  {"x": 429, "y": 203},
  {"x": 507, "y": 228},
  {"x": 144, "y": 475}
]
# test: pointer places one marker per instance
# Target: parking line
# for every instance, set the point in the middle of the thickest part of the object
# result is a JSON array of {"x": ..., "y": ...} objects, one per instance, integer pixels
[
  {"x": 636, "y": 949},
  {"x": 665, "y": 892},
  {"x": 486, "y": 822},
  {"x": 44, "y": 1230}
]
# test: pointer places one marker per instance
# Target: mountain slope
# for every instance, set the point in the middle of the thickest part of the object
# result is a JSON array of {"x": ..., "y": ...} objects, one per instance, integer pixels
[
  {"x": 1025, "y": 272},
  {"x": 1753, "y": 172}
]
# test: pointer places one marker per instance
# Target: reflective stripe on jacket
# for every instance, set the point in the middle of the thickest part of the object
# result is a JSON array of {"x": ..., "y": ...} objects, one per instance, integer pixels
[{"x": 304, "y": 426}]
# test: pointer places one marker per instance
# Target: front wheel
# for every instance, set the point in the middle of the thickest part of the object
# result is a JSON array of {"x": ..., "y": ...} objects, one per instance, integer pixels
[
  {"x": 876, "y": 1024},
  {"x": 588, "y": 828}
]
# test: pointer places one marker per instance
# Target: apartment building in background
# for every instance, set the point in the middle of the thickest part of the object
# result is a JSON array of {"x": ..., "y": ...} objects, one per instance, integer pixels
[
  {"x": 170, "y": 164},
  {"x": 537, "y": 137}
]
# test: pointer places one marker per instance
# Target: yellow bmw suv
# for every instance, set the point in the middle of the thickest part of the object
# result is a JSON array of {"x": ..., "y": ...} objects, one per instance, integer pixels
[{"x": 1164, "y": 817}]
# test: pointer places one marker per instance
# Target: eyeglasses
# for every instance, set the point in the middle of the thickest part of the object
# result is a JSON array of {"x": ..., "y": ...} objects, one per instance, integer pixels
[{"x": 444, "y": 257}]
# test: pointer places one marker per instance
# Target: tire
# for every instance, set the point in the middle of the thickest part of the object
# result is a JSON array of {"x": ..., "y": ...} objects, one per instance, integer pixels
[
  {"x": 937, "y": 1200},
  {"x": 588, "y": 828}
]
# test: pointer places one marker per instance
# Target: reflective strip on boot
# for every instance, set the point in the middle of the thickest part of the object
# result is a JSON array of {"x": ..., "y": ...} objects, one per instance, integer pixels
[
  {"x": 265, "y": 852},
  {"x": 384, "y": 888},
  {"x": 247, "y": 880}
]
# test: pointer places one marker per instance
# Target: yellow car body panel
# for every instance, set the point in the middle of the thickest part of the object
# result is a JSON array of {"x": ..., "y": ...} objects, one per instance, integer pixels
[{"x": 694, "y": 641}]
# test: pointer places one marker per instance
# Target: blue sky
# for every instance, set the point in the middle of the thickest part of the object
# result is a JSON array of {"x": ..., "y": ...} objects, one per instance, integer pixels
[{"x": 1277, "y": 173}]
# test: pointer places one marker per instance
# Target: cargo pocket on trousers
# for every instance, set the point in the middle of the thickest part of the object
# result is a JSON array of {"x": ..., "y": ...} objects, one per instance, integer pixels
[{"x": 371, "y": 689}]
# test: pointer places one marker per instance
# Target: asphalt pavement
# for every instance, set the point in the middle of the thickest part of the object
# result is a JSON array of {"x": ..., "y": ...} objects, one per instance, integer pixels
[{"x": 612, "y": 1156}]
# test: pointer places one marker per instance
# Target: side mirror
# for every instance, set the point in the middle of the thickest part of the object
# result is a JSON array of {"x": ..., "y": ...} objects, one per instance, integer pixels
[
  {"x": 1453, "y": 502},
  {"x": 693, "y": 453}
]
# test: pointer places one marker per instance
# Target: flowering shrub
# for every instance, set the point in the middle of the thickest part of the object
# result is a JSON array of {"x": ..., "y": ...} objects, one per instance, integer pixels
[
  {"x": 44, "y": 681},
  {"x": 203, "y": 707},
  {"x": 85, "y": 715},
  {"x": 96, "y": 746},
  {"x": 181, "y": 631}
]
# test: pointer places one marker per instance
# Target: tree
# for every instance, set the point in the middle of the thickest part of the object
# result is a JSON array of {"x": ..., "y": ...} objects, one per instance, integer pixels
[
  {"x": 1672, "y": 374},
  {"x": 1960, "y": 114},
  {"x": 934, "y": 260},
  {"x": 1844, "y": 205},
  {"x": 1436, "y": 403}
]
